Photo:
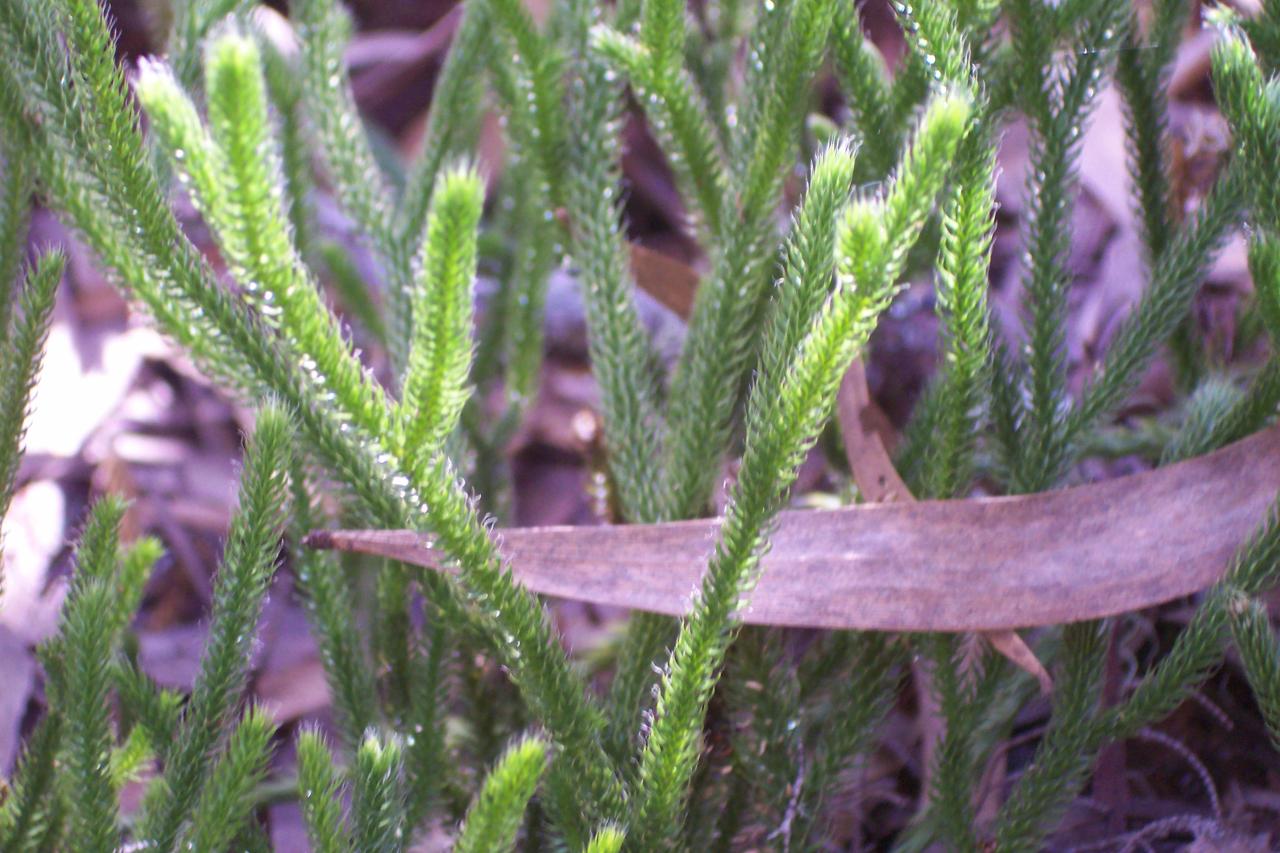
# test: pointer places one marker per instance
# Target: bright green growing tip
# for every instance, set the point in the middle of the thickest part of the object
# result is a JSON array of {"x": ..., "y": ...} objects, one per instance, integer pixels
[
  {"x": 435, "y": 385},
  {"x": 950, "y": 112},
  {"x": 607, "y": 840},
  {"x": 494, "y": 818},
  {"x": 319, "y": 789},
  {"x": 836, "y": 161},
  {"x": 377, "y": 797},
  {"x": 860, "y": 234},
  {"x": 231, "y": 49},
  {"x": 1222, "y": 17}
]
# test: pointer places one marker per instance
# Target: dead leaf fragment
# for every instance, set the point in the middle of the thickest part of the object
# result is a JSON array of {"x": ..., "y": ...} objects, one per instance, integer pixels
[
  {"x": 985, "y": 564},
  {"x": 33, "y": 536}
]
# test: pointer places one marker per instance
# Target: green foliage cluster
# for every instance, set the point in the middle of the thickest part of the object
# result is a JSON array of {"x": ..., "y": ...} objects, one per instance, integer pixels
[{"x": 427, "y": 738}]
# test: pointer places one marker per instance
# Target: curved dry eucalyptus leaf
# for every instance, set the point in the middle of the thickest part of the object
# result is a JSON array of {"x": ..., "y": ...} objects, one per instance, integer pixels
[{"x": 986, "y": 564}]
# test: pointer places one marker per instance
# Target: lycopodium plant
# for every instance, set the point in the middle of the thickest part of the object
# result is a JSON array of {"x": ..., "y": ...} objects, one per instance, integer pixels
[{"x": 427, "y": 743}]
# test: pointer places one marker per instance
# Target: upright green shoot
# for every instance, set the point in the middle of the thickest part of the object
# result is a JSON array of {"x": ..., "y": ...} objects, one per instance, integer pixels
[
  {"x": 239, "y": 589},
  {"x": 1256, "y": 642},
  {"x": 377, "y": 797},
  {"x": 453, "y": 123},
  {"x": 1056, "y": 111},
  {"x": 15, "y": 214},
  {"x": 319, "y": 785},
  {"x": 328, "y": 601},
  {"x": 784, "y": 416},
  {"x": 440, "y": 355},
  {"x": 226, "y": 802},
  {"x": 362, "y": 188},
  {"x": 21, "y": 354},
  {"x": 494, "y": 818},
  {"x": 85, "y": 636}
]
